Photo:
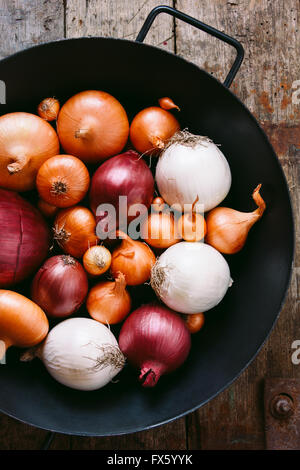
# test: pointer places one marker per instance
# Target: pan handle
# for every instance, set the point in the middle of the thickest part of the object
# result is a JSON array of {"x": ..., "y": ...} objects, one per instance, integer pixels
[{"x": 204, "y": 27}]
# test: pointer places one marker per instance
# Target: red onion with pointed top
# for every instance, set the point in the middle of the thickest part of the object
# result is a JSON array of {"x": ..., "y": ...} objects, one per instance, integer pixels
[{"x": 156, "y": 340}]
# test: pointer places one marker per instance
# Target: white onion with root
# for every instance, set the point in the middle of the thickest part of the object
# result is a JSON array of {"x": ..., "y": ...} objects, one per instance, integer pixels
[
  {"x": 190, "y": 167},
  {"x": 191, "y": 277},
  {"x": 80, "y": 353}
]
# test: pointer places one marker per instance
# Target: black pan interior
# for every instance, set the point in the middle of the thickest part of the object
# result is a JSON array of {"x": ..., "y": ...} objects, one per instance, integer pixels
[{"x": 138, "y": 75}]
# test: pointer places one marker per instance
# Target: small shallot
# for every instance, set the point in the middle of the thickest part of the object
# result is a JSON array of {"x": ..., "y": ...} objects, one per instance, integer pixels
[{"x": 227, "y": 229}]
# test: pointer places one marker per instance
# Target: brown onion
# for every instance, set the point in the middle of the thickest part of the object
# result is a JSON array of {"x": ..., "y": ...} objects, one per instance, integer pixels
[
  {"x": 151, "y": 128},
  {"x": 63, "y": 180},
  {"x": 26, "y": 142},
  {"x": 227, "y": 229},
  {"x": 167, "y": 103},
  {"x": 194, "y": 321},
  {"x": 22, "y": 322},
  {"x": 159, "y": 230},
  {"x": 74, "y": 230},
  {"x": 93, "y": 126},
  {"x": 97, "y": 260},
  {"x": 132, "y": 258},
  {"x": 48, "y": 109},
  {"x": 109, "y": 302}
]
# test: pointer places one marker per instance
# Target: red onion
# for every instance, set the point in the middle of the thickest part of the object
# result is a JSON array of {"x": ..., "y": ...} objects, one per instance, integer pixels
[
  {"x": 127, "y": 175},
  {"x": 156, "y": 340},
  {"x": 24, "y": 238},
  {"x": 60, "y": 286}
]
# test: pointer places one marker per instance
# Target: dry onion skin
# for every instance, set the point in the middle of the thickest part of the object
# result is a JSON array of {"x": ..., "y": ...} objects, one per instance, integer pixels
[
  {"x": 26, "y": 142},
  {"x": 194, "y": 322},
  {"x": 151, "y": 128},
  {"x": 109, "y": 302},
  {"x": 97, "y": 260},
  {"x": 93, "y": 126},
  {"x": 75, "y": 230},
  {"x": 63, "y": 181},
  {"x": 227, "y": 229},
  {"x": 48, "y": 109}
]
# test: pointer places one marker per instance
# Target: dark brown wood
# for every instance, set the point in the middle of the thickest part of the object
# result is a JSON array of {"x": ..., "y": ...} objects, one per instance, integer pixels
[{"x": 282, "y": 414}]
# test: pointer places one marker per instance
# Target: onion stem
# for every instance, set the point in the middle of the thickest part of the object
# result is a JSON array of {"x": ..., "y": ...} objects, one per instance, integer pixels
[{"x": 18, "y": 165}]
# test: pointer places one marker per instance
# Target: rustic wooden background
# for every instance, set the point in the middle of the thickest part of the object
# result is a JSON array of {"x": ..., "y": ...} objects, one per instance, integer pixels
[{"x": 269, "y": 31}]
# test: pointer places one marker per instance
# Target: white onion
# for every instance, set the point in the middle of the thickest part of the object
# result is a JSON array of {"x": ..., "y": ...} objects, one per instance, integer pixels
[
  {"x": 82, "y": 354},
  {"x": 191, "y": 277},
  {"x": 192, "y": 166}
]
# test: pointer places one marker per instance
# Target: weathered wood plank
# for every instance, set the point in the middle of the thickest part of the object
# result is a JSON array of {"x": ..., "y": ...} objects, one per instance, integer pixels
[
  {"x": 269, "y": 33},
  {"x": 25, "y": 23},
  {"x": 115, "y": 19}
]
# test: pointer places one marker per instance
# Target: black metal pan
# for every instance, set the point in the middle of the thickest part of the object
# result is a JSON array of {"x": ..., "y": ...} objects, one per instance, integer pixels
[{"x": 139, "y": 74}]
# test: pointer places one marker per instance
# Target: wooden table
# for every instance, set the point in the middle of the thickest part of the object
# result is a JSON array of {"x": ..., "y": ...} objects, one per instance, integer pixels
[{"x": 269, "y": 31}]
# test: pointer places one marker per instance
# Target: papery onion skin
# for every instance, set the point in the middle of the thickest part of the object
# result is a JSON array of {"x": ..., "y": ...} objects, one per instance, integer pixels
[
  {"x": 74, "y": 230},
  {"x": 109, "y": 302},
  {"x": 159, "y": 230},
  {"x": 125, "y": 175},
  {"x": 63, "y": 180},
  {"x": 156, "y": 340},
  {"x": 81, "y": 353},
  {"x": 97, "y": 260},
  {"x": 151, "y": 128},
  {"x": 22, "y": 322},
  {"x": 24, "y": 238},
  {"x": 134, "y": 259},
  {"x": 48, "y": 109},
  {"x": 26, "y": 142},
  {"x": 191, "y": 277},
  {"x": 60, "y": 286},
  {"x": 194, "y": 322},
  {"x": 227, "y": 229},
  {"x": 93, "y": 126},
  {"x": 192, "y": 166},
  {"x": 167, "y": 103}
]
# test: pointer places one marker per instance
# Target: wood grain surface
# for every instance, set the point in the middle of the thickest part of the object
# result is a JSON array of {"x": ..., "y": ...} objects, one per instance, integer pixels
[{"x": 267, "y": 84}]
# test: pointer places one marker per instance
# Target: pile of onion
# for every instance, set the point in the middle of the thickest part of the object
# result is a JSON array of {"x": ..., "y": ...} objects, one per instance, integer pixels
[
  {"x": 155, "y": 340},
  {"x": 24, "y": 238},
  {"x": 93, "y": 126},
  {"x": 60, "y": 286},
  {"x": 126, "y": 175},
  {"x": 26, "y": 142}
]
